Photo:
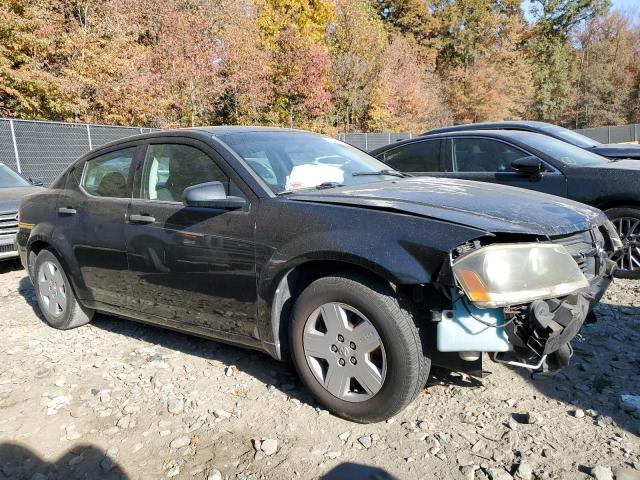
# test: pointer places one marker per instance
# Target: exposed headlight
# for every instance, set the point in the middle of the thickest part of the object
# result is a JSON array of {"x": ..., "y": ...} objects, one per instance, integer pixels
[
  {"x": 616, "y": 243},
  {"x": 510, "y": 274}
]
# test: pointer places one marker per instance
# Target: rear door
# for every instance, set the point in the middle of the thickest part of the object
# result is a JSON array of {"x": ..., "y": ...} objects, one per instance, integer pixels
[
  {"x": 191, "y": 265},
  {"x": 91, "y": 213},
  {"x": 489, "y": 160}
]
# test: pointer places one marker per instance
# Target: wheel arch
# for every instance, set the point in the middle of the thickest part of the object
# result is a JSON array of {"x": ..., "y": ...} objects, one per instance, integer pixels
[
  {"x": 287, "y": 288},
  {"x": 36, "y": 244},
  {"x": 609, "y": 204}
]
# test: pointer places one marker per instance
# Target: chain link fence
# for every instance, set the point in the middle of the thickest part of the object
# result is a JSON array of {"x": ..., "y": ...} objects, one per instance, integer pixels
[
  {"x": 619, "y": 134},
  {"x": 370, "y": 141},
  {"x": 44, "y": 149}
]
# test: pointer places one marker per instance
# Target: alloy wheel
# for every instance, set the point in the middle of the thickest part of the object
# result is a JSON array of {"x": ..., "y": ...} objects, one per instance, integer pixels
[
  {"x": 628, "y": 258},
  {"x": 344, "y": 352},
  {"x": 52, "y": 289}
]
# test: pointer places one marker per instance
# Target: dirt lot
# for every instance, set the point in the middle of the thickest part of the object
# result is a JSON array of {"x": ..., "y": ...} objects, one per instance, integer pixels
[{"x": 117, "y": 399}]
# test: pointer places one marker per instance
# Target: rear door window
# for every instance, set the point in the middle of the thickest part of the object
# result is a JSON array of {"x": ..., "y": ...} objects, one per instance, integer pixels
[
  {"x": 421, "y": 156},
  {"x": 108, "y": 175}
]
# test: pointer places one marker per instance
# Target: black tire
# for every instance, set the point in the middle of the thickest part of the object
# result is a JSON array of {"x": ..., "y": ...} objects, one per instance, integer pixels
[
  {"x": 615, "y": 214},
  {"x": 71, "y": 314},
  {"x": 392, "y": 315}
]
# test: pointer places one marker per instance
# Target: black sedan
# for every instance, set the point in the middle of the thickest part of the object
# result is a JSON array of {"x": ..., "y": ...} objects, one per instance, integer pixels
[
  {"x": 12, "y": 188},
  {"x": 306, "y": 248},
  {"x": 609, "y": 150},
  {"x": 536, "y": 162}
]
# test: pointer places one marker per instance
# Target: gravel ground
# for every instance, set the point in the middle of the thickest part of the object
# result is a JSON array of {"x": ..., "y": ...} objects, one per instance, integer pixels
[{"x": 117, "y": 399}]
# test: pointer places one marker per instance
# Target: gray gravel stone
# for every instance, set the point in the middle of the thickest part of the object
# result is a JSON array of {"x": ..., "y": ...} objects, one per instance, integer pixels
[
  {"x": 600, "y": 472},
  {"x": 214, "y": 474},
  {"x": 499, "y": 474},
  {"x": 269, "y": 446},
  {"x": 180, "y": 442},
  {"x": 175, "y": 406},
  {"x": 524, "y": 472},
  {"x": 365, "y": 441}
]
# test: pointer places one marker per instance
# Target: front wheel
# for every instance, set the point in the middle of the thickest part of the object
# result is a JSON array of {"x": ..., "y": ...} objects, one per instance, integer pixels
[
  {"x": 356, "y": 347},
  {"x": 56, "y": 299},
  {"x": 627, "y": 223}
]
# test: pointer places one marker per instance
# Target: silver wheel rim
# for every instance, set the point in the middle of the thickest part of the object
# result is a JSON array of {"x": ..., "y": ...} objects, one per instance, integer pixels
[
  {"x": 52, "y": 289},
  {"x": 344, "y": 352},
  {"x": 628, "y": 258}
]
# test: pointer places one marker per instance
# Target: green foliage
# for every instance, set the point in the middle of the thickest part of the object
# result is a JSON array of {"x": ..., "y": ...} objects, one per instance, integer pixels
[{"x": 552, "y": 50}]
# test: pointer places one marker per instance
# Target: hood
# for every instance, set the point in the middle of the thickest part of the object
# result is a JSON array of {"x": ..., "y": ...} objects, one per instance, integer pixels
[
  {"x": 626, "y": 164},
  {"x": 617, "y": 150},
  {"x": 10, "y": 197},
  {"x": 485, "y": 206}
]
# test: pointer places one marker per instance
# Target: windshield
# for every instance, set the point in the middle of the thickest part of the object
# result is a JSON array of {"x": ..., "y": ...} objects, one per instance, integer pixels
[
  {"x": 563, "y": 152},
  {"x": 9, "y": 178},
  {"x": 574, "y": 138},
  {"x": 292, "y": 161}
]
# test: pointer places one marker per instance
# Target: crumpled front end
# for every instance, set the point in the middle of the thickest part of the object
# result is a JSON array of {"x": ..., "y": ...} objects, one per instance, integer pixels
[{"x": 521, "y": 301}]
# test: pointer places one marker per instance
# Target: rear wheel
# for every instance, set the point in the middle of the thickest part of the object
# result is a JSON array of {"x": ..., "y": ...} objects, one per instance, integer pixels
[
  {"x": 627, "y": 223},
  {"x": 57, "y": 302},
  {"x": 357, "y": 348}
]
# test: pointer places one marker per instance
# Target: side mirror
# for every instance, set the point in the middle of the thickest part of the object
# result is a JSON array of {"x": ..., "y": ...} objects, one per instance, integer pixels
[
  {"x": 36, "y": 181},
  {"x": 530, "y": 166},
  {"x": 211, "y": 195}
]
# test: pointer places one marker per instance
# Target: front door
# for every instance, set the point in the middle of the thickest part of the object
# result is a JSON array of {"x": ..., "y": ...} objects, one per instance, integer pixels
[
  {"x": 489, "y": 160},
  {"x": 191, "y": 265},
  {"x": 91, "y": 216}
]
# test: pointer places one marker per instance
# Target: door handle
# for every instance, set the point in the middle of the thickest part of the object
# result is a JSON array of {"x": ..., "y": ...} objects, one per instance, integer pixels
[
  {"x": 141, "y": 218},
  {"x": 66, "y": 211}
]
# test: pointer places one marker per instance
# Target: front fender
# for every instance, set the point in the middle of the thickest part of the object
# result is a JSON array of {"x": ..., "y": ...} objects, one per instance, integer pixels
[{"x": 402, "y": 249}]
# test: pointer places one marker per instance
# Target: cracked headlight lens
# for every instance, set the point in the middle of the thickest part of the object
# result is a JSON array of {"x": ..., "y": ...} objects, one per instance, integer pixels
[
  {"x": 616, "y": 243},
  {"x": 511, "y": 274}
]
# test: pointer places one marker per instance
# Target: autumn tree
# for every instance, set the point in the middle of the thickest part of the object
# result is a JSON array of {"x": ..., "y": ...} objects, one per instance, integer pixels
[
  {"x": 308, "y": 18},
  {"x": 550, "y": 45},
  {"x": 413, "y": 19},
  {"x": 300, "y": 81},
  {"x": 27, "y": 89},
  {"x": 245, "y": 64},
  {"x": 608, "y": 65},
  {"x": 357, "y": 44},
  {"x": 408, "y": 96},
  {"x": 487, "y": 71}
]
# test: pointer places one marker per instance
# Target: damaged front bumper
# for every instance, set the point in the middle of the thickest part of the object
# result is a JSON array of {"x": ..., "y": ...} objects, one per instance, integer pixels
[{"x": 534, "y": 335}]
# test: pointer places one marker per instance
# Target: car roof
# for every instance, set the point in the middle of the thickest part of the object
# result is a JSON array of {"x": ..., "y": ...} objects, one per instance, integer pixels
[
  {"x": 218, "y": 131},
  {"x": 504, "y": 134},
  {"x": 489, "y": 125}
]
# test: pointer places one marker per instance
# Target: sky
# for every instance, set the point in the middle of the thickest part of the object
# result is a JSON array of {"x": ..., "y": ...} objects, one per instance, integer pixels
[{"x": 627, "y": 5}]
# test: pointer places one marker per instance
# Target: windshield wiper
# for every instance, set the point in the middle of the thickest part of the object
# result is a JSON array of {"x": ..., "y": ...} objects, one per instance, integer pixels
[
  {"x": 321, "y": 186},
  {"x": 324, "y": 185},
  {"x": 386, "y": 171}
]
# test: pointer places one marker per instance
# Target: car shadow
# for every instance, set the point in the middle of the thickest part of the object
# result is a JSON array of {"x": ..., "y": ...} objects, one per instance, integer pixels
[
  {"x": 10, "y": 265},
  {"x": 605, "y": 365},
  {"x": 82, "y": 461},
  {"x": 259, "y": 365},
  {"x": 19, "y": 462},
  {"x": 356, "y": 471}
]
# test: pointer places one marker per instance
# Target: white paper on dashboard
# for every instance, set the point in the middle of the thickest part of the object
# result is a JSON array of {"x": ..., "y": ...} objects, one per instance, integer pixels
[{"x": 310, "y": 175}]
